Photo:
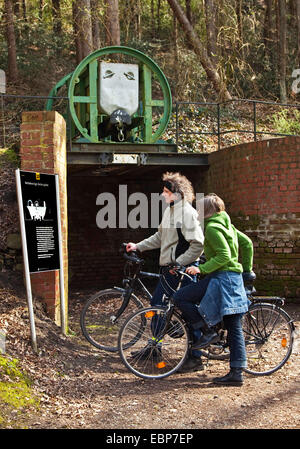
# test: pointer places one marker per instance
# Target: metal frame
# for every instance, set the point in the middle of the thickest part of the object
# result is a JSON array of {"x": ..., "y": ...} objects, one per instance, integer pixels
[{"x": 219, "y": 132}]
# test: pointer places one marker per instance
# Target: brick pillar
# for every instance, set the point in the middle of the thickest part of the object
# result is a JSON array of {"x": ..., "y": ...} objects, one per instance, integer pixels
[{"x": 43, "y": 150}]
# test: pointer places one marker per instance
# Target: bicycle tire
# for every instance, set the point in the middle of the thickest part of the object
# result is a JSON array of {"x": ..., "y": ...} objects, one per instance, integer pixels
[
  {"x": 269, "y": 338},
  {"x": 97, "y": 314},
  {"x": 145, "y": 356}
]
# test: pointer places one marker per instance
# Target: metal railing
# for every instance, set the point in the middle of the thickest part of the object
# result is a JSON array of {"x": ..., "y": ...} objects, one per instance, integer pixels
[
  {"x": 12, "y": 107},
  {"x": 210, "y": 119},
  {"x": 218, "y": 130}
]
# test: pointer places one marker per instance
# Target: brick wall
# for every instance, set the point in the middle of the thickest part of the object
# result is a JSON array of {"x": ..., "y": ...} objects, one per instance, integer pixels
[
  {"x": 260, "y": 184},
  {"x": 94, "y": 259},
  {"x": 43, "y": 149}
]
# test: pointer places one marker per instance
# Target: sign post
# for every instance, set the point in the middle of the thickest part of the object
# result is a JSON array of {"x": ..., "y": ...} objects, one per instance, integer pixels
[
  {"x": 39, "y": 209},
  {"x": 3, "y": 91}
]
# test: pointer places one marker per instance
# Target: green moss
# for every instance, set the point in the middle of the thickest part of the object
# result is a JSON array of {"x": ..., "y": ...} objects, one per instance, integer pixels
[
  {"x": 9, "y": 156},
  {"x": 16, "y": 394},
  {"x": 242, "y": 223}
]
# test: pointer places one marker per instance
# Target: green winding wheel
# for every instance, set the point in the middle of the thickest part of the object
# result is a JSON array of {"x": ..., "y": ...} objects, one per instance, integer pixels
[{"x": 83, "y": 94}]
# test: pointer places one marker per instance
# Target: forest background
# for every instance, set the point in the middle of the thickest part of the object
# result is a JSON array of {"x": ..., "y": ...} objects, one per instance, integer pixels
[{"x": 208, "y": 49}]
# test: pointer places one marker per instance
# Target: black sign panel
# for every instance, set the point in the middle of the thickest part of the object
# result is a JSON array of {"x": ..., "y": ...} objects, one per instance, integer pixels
[{"x": 41, "y": 223}]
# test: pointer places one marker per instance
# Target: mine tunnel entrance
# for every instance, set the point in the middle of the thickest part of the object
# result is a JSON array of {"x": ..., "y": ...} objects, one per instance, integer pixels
[{"x": 94, "y": 259}]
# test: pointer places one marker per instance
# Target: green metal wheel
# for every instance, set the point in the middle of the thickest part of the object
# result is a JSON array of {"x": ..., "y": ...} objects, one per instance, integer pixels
[{"x": 83, "y": 95}]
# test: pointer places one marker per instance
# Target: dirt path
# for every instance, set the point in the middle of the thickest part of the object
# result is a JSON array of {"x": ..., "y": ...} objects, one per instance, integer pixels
[{"x": 82, "y": 388}]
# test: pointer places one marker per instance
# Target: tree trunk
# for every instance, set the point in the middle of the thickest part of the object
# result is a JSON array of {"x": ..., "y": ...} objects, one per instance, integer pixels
[
  {"x": 56, "y": 13},
  {"x": 84, "y": 27},
  {"x": 11, "y": 42},
  {"x": 206, "y": 62},
  {"x": 176, "y": 57},
  {"x": 211, "y": 8},
  {"x": 158, "y": 17},
  {"x": 112, "y": 22},
  {"x": 77, "y": 40},
  {"x": 95, "y": 24},
  {"x": 268, "y": 33},
  {"x": 138, "y": 28},
  {"x": 41, "y": 9},
  {"x": 24, "y": 10},
  {"x": 188, "y": 11},
  {"x": 298, "y": 30},
  {"x": 282, "y": 49}
]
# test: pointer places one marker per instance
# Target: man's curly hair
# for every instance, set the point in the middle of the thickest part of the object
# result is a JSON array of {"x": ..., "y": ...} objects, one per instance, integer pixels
[{"x": 178, "y": 183}]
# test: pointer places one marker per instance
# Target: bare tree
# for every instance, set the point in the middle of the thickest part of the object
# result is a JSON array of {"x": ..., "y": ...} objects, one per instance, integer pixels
[
  {"x": 282, "y": 49},
  {"x": 82, "y": 28},
  {"x": 211, "y": 9},
  {"x": 56, "y": 12},
  {"x": 200, "y": 50},
  {"x": 11, "y": 42},
  {"x": 112, "y": 22},
  {"x": 95, "y": 24},
  {"x": 77, "y": 40},
  {"x": 298, "y": 29}
]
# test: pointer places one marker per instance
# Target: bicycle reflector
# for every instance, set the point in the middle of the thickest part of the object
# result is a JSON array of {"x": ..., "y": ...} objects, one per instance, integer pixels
[
  {"x": 149, "y": 314},
  {"x": 283, "y": 342},
  {"x": 161, "y": 365}
]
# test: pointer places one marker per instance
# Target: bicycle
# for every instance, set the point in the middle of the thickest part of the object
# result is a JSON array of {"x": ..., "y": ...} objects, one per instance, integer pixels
[
  {"x": 104, "y": 312},
  {"x": 154, "y": 342}
]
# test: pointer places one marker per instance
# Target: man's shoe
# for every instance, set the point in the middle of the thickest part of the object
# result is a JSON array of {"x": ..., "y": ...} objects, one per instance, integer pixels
[
  {"x": 148, "y": 352},
  {"x": 234, "y": 378},
  {"x": 205, "y": 340},
  {"x": 191, "y": 364}
]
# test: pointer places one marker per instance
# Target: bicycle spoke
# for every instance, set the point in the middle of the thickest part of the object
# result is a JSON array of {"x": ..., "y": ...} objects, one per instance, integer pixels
[
  {"x": 268, "y": 337},
  {"x": 156, "y": 353}
]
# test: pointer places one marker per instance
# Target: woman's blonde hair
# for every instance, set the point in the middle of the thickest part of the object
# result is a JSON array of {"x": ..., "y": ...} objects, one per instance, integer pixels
[
  {"x": 212, "y": 204},
  {"x": 178, "y": 183}
]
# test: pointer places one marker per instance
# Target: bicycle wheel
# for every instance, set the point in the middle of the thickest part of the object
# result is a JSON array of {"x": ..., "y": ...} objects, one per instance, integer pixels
[
  {"x": 269, "y": 337},
  {"x": 147, "y": 350},
  {"x": 98, "y": 314}
]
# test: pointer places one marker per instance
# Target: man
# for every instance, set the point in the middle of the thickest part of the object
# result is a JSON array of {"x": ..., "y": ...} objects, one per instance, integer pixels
[{"x": 180, "y": 239}]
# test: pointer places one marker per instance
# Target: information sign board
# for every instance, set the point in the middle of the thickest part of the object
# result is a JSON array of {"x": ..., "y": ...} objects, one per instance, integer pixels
[{"x": 39, "y": 199}]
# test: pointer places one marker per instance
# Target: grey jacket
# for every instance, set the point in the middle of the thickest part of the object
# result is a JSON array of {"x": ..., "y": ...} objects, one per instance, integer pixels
[{"x": 179, "y": 236}]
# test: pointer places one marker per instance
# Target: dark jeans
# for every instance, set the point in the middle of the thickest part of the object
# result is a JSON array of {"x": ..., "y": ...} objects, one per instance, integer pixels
[
  {"x": 156, "y": 300},
  {"x": 173, "y": 281},
  {"x": 186, "y": 299},
  {"x": 236, "y": 341}
]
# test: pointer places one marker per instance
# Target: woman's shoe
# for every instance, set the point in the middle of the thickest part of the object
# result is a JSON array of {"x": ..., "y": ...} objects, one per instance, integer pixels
[
  {"x": 192, "y": 364},
  {"x": 205, "y": 340},
  {"x": 234, "y": 378}
]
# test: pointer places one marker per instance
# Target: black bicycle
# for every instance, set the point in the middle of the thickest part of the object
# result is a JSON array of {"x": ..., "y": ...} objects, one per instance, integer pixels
[
  {"x": 154, "y": 342},
  {"x": 105, "y": 312}
]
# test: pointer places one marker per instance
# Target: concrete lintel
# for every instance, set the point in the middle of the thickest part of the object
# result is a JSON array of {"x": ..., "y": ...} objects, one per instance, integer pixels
[
  {"x": 125, "y": 147},
  {"x": 175, "y": 159}
]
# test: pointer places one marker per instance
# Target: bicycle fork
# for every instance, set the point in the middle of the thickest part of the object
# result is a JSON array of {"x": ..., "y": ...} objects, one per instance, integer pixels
[{"x": 126, "y": 297}]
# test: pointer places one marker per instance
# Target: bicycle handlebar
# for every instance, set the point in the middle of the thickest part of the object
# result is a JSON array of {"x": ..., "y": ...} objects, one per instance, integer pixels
[{"x": 131, "y": 256}]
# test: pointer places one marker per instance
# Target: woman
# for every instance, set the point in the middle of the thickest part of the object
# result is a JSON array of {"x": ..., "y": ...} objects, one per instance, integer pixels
[
  {"x": 180, "y": 239},
  {"x": 221, "y": 291}
]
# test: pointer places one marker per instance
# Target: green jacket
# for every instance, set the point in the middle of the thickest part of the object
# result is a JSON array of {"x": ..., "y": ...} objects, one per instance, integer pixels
[{"x": 221, "y": 246}]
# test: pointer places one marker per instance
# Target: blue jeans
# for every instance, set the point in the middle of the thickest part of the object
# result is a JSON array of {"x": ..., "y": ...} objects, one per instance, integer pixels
[
  {"x": 236, "y": 341},
  {"x": 156, "y": 299},
  {"x": 186, "y": 300},
  {"x": 173, "y": 281},
  {"x": 187, "y": 297}
]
